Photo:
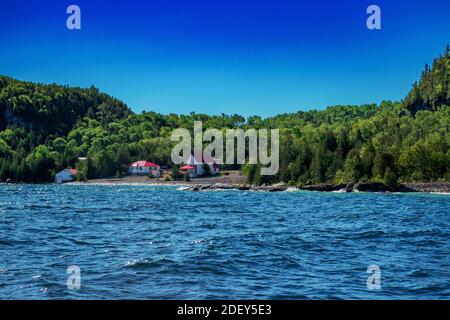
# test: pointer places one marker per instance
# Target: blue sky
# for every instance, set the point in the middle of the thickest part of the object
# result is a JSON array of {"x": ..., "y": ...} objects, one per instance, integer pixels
[{"x": 235, "y": 56}]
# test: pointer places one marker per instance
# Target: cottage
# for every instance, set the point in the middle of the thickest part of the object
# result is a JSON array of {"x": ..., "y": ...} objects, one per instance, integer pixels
[
  {"x": 196, "y": 167},
  {"x": 189, "y": 170},
  {"x": 143, "y": 167},
  {"x": 66, "y": 175}
]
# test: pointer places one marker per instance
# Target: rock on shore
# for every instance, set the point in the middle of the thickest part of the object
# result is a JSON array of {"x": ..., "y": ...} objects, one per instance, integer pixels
[{"x": 441, "y": 187}]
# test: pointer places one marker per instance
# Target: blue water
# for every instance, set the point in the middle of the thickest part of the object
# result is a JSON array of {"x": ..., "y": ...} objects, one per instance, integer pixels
[{"x": 144, "y": 242}]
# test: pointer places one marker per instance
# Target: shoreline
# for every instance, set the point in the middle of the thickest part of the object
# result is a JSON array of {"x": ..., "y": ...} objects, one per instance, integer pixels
[
  {"x": 239, "y": 182},
  {"x": 228, "y": 183}
]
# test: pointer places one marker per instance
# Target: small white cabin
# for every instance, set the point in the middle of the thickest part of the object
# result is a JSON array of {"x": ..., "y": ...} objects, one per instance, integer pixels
[
  {"x": 143, "y": 167},
  {"x": 65, "y": 175}
]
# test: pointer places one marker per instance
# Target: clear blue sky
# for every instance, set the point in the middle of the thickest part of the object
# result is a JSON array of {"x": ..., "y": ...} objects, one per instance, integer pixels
[{"x": 234, "y": 56}]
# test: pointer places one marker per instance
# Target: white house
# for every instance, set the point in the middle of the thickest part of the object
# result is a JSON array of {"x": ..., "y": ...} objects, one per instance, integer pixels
[
  {"x": 65, "y": 175},
  {"x": 143, "y": 167},
  {"x": 195, "y": 166}
]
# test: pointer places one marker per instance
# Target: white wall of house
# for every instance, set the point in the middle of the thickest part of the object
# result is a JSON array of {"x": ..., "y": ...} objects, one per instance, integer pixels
[
  {"x": 64, "y": 176},
  {"x": 156, "y": 173},
  {"x": 137, "y": 170},
  {"x": 199, "y": 169}
]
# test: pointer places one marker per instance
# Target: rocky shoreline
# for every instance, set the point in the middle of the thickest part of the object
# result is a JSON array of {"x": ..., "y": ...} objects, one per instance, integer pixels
[
  {"x": 430, "y": 187},
  {"x": 240, "y": 183}
]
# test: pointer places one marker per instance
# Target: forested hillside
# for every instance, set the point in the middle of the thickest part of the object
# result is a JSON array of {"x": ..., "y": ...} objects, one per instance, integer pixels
[
  {"x": 433, "y": 89},
  {"x": 45, "y": 128}
]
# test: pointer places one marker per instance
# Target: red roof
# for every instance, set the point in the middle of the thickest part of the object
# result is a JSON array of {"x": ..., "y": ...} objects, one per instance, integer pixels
[
  {"x": 187, "y": 168},
  {"x": 143, "y": 163}
]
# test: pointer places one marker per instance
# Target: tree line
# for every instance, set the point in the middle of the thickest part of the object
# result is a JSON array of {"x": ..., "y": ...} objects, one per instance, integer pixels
[{"x": 46, "y": 128}]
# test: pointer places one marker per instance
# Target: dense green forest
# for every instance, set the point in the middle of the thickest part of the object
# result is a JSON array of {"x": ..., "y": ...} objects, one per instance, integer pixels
[{"x": 45, "y": 128}]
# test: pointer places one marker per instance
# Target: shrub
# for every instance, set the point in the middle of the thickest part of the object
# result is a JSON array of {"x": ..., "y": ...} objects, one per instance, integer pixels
[
  {"x": 81, "y": 176},
  {"x": 175, "y": 173}
]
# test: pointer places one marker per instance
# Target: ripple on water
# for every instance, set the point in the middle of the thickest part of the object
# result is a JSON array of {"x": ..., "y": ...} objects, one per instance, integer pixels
[{"x": 139, "y": 264}]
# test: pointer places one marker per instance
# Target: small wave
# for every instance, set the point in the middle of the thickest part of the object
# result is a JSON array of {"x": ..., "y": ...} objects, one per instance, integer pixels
[
  {"x": 14, "y": 242},
  {"x": 5, "y": 243},
  {"x": 201, "y": 241},
  {"x": 418, "y": 274},
  {"x": 7, "y": 208},
  {"x": 148, "y": 264},
  {"x": 419, "y": 233},
  {"x": 80, "y": 210},
  {"x": 36, "y": 206},
  {"x": 427, "y": 243},
  {"x": 78, "y": 241},
  {"x": 208, "y": 225}
]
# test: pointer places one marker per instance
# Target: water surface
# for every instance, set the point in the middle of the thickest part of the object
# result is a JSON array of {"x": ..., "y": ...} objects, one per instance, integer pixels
[{"x": 146, "y": 242}]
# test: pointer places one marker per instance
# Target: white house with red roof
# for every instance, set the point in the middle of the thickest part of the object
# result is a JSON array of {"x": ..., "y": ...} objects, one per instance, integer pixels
[
  {"x": 143, "y": 167},
  {"x": 66, "y": 175},
  {"x": 195, "y": 166}
]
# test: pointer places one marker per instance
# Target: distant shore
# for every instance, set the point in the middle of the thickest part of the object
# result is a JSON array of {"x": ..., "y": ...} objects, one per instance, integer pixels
[{"x": 239, "y": 182}]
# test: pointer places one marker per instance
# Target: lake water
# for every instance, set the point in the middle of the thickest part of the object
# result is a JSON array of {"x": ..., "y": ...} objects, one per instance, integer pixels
[{"x": 145, "y": 242}]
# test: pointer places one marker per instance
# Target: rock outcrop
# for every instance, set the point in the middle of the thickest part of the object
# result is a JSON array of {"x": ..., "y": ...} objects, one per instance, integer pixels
[{"x": 443, "y": 187}]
